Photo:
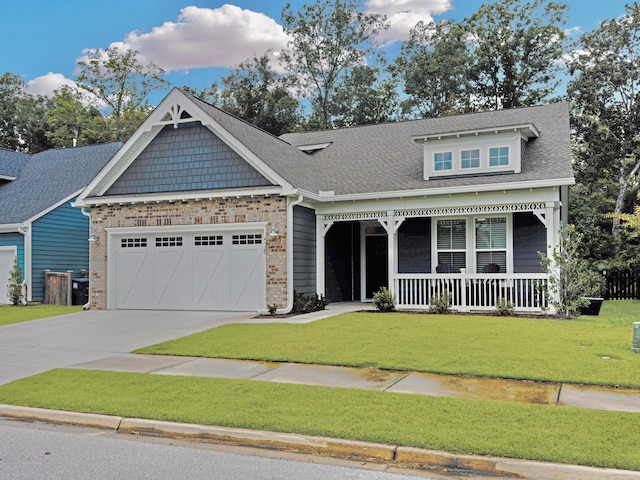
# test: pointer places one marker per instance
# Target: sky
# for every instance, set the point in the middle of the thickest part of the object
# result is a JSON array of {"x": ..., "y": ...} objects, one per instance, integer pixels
[{"x": 196, "y": 41}]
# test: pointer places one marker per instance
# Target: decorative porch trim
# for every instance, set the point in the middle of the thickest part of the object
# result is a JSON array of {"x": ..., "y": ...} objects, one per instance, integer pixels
[
  {"x": 478, "y": 210},
  {"x": 346, "y": 217}
]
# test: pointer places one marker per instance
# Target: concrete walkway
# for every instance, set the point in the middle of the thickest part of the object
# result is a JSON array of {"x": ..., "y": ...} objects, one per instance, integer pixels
[{"x": 547, "y": 393}]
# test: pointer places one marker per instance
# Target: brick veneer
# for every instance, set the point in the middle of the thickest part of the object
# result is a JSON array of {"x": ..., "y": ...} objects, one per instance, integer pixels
[{"x": 271, "y": 209}]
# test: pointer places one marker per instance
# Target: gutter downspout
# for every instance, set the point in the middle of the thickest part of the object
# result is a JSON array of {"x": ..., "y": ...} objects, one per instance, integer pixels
[
  {"x": 86, "y": 213},
  {"x": 26, "y": 290},
  {"x": 289, "y": 306}
]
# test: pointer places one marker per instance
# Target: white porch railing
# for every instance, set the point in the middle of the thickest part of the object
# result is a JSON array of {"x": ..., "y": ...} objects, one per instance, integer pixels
[{"x": 477, "y": 291}]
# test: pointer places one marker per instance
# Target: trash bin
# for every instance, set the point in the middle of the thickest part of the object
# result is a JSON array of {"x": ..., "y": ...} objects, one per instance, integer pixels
[
  {"x": 79, "y": 291},
  {"x": 636, "y": 337}
]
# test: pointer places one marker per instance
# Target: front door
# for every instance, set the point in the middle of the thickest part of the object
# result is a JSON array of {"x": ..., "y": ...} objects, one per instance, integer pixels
[{"x": 376, "y": 263}]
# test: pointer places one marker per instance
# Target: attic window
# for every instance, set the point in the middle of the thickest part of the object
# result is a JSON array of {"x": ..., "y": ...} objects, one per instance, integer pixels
[{"x": 310, "y": 149}]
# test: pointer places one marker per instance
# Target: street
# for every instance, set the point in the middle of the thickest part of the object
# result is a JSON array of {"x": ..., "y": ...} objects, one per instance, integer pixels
[{"x": 31, "y": 451}]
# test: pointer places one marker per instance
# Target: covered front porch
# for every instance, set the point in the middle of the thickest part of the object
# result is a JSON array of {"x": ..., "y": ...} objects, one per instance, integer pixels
[{"x": 477, "y": 256}]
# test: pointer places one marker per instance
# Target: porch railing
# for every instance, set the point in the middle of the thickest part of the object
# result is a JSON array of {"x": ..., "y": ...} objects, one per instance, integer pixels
[{"x": 469, "y": 292}]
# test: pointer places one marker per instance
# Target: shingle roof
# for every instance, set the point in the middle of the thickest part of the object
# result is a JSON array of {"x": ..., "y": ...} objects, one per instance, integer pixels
[
  {"x": 47, "y": 178},
  {"x": 11, "y": 163},
  {"x": 383, "y": 158}
]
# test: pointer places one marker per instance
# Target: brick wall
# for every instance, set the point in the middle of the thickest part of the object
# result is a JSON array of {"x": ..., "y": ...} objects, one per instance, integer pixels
[{"x": 271, "y": 209}]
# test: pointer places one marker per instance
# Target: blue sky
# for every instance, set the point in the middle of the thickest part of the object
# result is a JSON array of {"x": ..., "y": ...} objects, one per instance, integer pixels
[{"x": 195, "y": 42}]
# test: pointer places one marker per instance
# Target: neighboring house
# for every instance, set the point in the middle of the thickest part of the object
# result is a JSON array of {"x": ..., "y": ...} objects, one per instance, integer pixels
[
  {"x": 200, "y": 210},
  {"x": 38, "y": 225}
]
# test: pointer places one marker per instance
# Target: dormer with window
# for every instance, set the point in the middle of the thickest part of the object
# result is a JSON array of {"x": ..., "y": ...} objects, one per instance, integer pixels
[{"x": 477, "y": 152}]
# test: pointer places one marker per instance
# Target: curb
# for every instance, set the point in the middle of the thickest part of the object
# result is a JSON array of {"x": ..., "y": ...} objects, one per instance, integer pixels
[{"x": 394, "y": 456}]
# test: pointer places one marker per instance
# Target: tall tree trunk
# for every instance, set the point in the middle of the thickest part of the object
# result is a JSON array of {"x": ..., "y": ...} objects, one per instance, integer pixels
[{"x": 623, "y": 183}]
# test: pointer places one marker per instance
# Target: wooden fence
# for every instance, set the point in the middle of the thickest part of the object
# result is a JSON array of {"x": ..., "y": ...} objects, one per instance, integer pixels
[
  {"x": 57, "y": 288},
  {"x": 622, "y": 285}
]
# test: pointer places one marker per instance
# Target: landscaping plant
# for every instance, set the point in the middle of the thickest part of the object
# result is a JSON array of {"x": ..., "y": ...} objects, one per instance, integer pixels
[
  {"x": 14, "y": 288},
  {"x": 571, "y": 279},
  {"x": 384, "y": 300}
]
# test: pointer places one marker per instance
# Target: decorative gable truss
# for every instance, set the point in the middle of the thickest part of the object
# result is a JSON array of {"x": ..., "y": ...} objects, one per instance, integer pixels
[{"x": 181, "y": 153}]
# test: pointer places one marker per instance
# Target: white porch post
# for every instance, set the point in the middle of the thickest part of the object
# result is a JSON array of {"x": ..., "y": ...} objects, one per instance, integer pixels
[
  {"x": 391, "y": 224},
  {"x": 322, "y": 227}
]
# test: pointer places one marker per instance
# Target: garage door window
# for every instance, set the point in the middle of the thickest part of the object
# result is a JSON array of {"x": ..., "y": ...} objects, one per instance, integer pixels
[
  {"x": 247, "y": 239},
  {"x": 168, "y": 241},
  {"x": 133, "y": 242},
  {"x": 207, "y": 240}
]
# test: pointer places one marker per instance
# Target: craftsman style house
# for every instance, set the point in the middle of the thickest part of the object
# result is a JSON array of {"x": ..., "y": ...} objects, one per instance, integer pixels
[{"x": 200, "y": 210}]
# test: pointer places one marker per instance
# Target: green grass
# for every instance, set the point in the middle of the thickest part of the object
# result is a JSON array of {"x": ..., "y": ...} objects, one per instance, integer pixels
[
  {"x": 536, "y": 432},
  {"x": 15, "y": 314},
  {"x": 589, "y": 350}
]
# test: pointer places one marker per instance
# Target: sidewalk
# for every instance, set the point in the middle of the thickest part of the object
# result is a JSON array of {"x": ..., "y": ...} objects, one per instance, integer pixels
[{"x": 365, "y": 378}]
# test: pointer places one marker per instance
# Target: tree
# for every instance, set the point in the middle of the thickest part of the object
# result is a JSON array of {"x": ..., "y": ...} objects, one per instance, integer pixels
[
  {"x": 22, "y": 126},
  {"x": 121, "y": 84},
  {"x": 329, "y": 38},
  {"x": 433, "y": 66},
  {"x": 606, "y": 116},
  {"x": 516, "y": 48},
  {"x": 363, "y": 100},
  {"x": 14, "y": 288},
  {"x": 254, "y": 92},
  {"x": 71, "y": 122}
]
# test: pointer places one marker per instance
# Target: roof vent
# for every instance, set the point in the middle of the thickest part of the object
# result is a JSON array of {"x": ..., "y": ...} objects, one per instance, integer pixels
[{"x": 313, "y": 148}]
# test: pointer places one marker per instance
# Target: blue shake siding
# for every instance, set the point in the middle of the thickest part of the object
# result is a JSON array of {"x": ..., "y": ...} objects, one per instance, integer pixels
[
  {"x": 14, "y": 240},
  {"x": 59, "y": 243}
]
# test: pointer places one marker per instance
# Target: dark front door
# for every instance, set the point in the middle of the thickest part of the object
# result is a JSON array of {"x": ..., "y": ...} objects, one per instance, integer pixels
[{"x": 376, "y": 263}]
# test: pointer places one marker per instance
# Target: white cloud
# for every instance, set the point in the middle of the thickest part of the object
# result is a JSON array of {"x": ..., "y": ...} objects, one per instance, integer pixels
[
  {"x": 403, "y": 15},
  {"x": 203, "y": 37},
  {"x": 46, "y": 84}
]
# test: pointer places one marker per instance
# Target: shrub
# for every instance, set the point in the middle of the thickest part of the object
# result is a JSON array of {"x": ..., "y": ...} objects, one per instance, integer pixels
[
  {"x": 308, "y": 303},
  {"x": 571, "y": 278},
  {"x": 273, "y": 308},
  {"x": 14, "y": 288},
  {"x": 440, "y": 303},
  {"x": 505, "y": 308},
  {"x": 384, "y": 300}
]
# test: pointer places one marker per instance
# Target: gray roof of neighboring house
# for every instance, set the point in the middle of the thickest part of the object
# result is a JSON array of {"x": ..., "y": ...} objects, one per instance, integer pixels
[
  {"x": 11, "y": 163},
  {"x": 383, "y": 158},
  {"x": 47, "y": 178}
]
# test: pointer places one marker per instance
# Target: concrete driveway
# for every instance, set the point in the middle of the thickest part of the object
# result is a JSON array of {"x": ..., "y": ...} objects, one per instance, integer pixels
[{"x": 33, "y": 347}]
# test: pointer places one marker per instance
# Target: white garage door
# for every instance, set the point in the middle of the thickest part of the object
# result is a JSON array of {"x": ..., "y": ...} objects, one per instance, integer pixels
[
  {"x": 191, "y": 271},
  {"x": 7, "y": 255}
]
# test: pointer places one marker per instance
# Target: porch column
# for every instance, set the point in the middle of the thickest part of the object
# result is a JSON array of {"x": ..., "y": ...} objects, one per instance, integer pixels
[
  {"x": 322, "y": 227},
  {"x": 391, "y": 224}
]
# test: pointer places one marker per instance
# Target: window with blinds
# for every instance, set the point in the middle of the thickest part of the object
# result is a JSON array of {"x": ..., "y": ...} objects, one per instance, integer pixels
[
  {"x": 452, "y": 245},
  {"x": 491, "y": 245}
]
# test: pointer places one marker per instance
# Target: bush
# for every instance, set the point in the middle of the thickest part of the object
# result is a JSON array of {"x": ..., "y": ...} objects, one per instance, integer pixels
[
  {"x": 273, "y": 308},
  {"x": 440, "y": 303},
  {"x": 308, "y": 303},
  {"x": 384, "y": 300},
  {"x": 571, "y": 278},
  {"x": 505, "y": 308},
  {"x": 14, "y": 288}
]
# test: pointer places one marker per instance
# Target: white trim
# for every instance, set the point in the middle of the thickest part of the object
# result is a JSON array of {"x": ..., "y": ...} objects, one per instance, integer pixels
[
  {"x": 7, "y": 177},
  {"x": 451, "y": 190},
  {"x": 529, "y": 130},
  {"x": 53, "y": 207},
  {"x": 10, "y": 228},
  {"x": 179, "y": 196}
]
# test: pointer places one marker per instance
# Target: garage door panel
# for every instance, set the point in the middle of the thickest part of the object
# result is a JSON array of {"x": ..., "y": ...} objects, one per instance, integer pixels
[
  {"x": 134, "y": 287},
  {"x": 210, "y": 278},
  {"x": 171, "y": 280},
  {"x": 209, "y": 271},
  {"x": 247, "y": 276},
  {"x": 7, "y": 257}
]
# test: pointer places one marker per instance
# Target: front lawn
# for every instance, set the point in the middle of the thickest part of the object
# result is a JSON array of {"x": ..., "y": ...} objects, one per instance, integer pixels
[
  {"x": 535, "y": 432},
  {"x": 589, "y": 350},
  {"x": 14, "y": 314}
]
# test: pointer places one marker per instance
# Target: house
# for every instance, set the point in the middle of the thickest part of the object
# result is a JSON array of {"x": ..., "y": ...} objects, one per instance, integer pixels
[
  {"x": 200, "y": 210},
  {"x": 38, "y": 225}
]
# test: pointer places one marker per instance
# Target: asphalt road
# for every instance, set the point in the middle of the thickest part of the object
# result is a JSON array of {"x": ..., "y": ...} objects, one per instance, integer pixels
[{"x": 31, "y": 451}]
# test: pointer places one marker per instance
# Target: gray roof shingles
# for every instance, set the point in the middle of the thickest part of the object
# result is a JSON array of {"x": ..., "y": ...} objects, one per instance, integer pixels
[
  {"x": 47, "y": 178},
  {"x": 383, "y": 158}
]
